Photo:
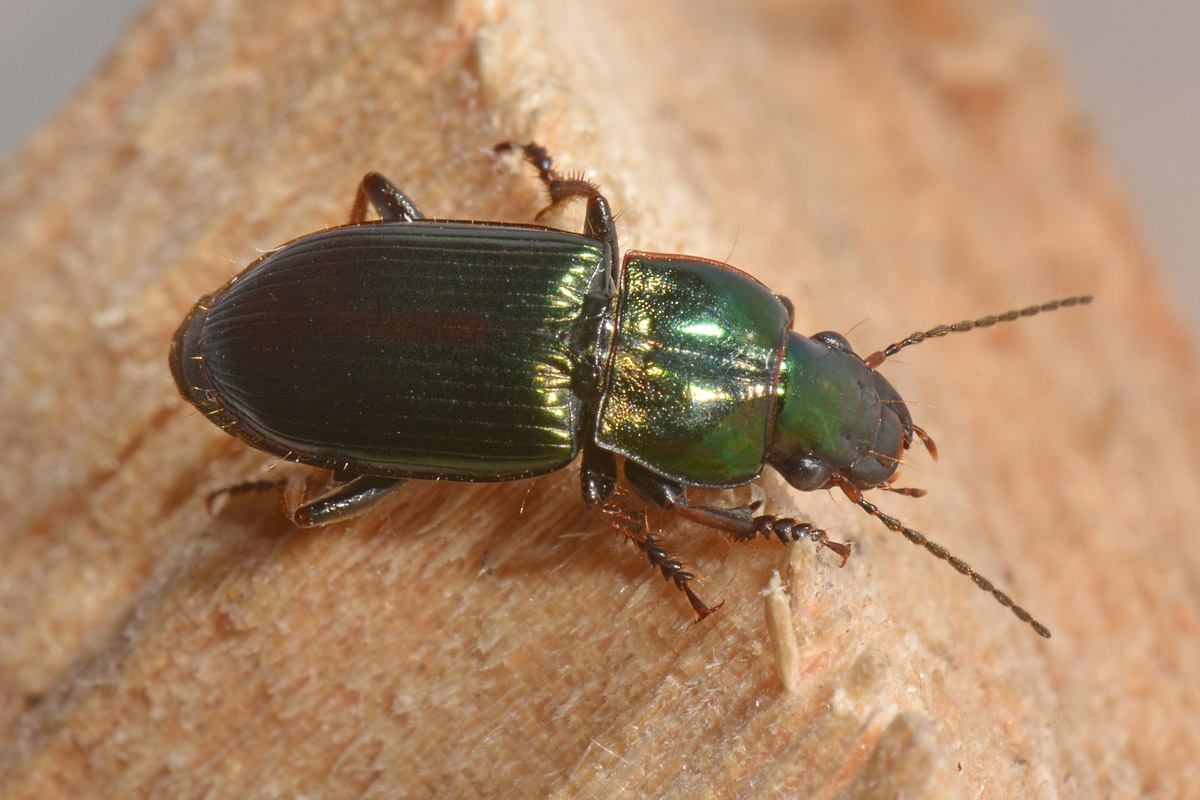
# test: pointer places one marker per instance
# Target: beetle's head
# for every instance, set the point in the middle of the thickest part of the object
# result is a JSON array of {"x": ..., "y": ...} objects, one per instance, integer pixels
[
  {"x": 835, "y": 417},
  {"x": 838, "y": 421}
]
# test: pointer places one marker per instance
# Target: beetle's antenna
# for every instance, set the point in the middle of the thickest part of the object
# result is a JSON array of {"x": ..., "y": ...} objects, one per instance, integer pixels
[
  {"x": 918, "y": 538},
  {"x": 875, "y": 359}
]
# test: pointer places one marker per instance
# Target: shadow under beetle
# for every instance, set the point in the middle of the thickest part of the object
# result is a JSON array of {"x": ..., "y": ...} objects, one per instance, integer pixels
[{"x": 408, "y": 348}]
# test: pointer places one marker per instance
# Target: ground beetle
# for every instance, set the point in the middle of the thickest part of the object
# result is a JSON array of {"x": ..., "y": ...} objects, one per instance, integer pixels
[{"x": 407, "y": 348}]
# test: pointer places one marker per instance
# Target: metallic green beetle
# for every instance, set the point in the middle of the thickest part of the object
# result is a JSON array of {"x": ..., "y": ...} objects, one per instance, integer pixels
[{"x": 408, "y": 348}]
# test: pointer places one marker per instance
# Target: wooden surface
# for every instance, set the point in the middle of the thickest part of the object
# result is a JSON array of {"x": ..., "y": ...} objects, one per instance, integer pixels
[{"x": 887, "y": 165}]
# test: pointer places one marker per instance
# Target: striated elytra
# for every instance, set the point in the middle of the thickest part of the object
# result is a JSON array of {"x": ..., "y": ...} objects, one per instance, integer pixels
[{"x": 408, "y": 348}]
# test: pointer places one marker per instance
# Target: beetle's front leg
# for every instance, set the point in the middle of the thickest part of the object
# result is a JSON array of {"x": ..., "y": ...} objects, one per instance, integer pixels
[{"x": 740, "y": 523}]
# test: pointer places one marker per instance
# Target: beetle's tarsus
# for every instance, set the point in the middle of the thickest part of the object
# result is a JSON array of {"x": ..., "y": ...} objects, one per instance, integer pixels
[
  {"x": 789, "y": 529},
  {"x": 841, "y": 548},
  {"x": 633, "y": 524},
  {"x": 698, "y": 605}
]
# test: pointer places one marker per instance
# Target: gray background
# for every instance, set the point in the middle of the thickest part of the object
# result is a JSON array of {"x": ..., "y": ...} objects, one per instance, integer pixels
[{"x": 1136, "y": 65}]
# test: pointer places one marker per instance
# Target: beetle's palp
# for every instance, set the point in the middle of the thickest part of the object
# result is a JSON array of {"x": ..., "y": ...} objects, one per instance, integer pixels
[
  {"x": 907, "y": 491},
  {"x": 925, "y": 438}
]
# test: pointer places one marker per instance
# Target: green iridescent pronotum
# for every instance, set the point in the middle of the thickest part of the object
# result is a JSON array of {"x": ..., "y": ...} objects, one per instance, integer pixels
[{"x": 408, "y": 348}]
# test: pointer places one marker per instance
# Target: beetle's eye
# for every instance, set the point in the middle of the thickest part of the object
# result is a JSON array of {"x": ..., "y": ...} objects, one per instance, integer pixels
[{"x": 835, "y": 340}]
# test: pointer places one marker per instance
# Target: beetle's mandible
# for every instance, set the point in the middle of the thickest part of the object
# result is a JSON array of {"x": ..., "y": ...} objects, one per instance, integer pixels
[{"x": 411, "y": 348}]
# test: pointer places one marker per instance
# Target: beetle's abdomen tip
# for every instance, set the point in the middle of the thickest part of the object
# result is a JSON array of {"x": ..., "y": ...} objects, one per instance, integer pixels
[{"x": 186, "y": 361}]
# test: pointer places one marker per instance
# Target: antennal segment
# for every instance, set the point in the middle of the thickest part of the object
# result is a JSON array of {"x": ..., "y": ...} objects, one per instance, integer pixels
[
  {"x": 875, "y": 359},
  {"x": 918, "y": 538}
]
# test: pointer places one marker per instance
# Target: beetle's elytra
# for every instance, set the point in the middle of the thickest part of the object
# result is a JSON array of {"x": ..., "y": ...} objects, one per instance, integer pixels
[{"x": 408, "y": 348}]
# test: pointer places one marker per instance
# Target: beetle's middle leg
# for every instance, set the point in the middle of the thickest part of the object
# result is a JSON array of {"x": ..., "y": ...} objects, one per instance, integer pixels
[
  {"x": 598, "y": 476},
  {"x": 633, "y": 524},
  {"x": 388, "y": 201},
  {"x": 740, "y": 523},
  {"x": 598, "y": 220}
]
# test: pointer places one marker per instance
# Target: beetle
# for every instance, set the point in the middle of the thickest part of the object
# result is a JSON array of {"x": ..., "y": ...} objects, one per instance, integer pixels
[{"x": 412, "y": 348}]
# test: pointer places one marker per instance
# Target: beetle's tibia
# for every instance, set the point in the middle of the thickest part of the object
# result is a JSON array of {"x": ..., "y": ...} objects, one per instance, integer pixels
[
  {"x": 388, "y": 201},
  {"x": 344, "y": 500}
]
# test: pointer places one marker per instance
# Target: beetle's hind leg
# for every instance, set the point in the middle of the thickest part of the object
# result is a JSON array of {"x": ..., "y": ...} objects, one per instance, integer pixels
[
  {"x": 633, "y": 524},
  {"x": 345, "y": 500},
  {"x": 349, "y": 498},
  {"x": 389, "y": 202},
  {"x": 216, "y": 499}
]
